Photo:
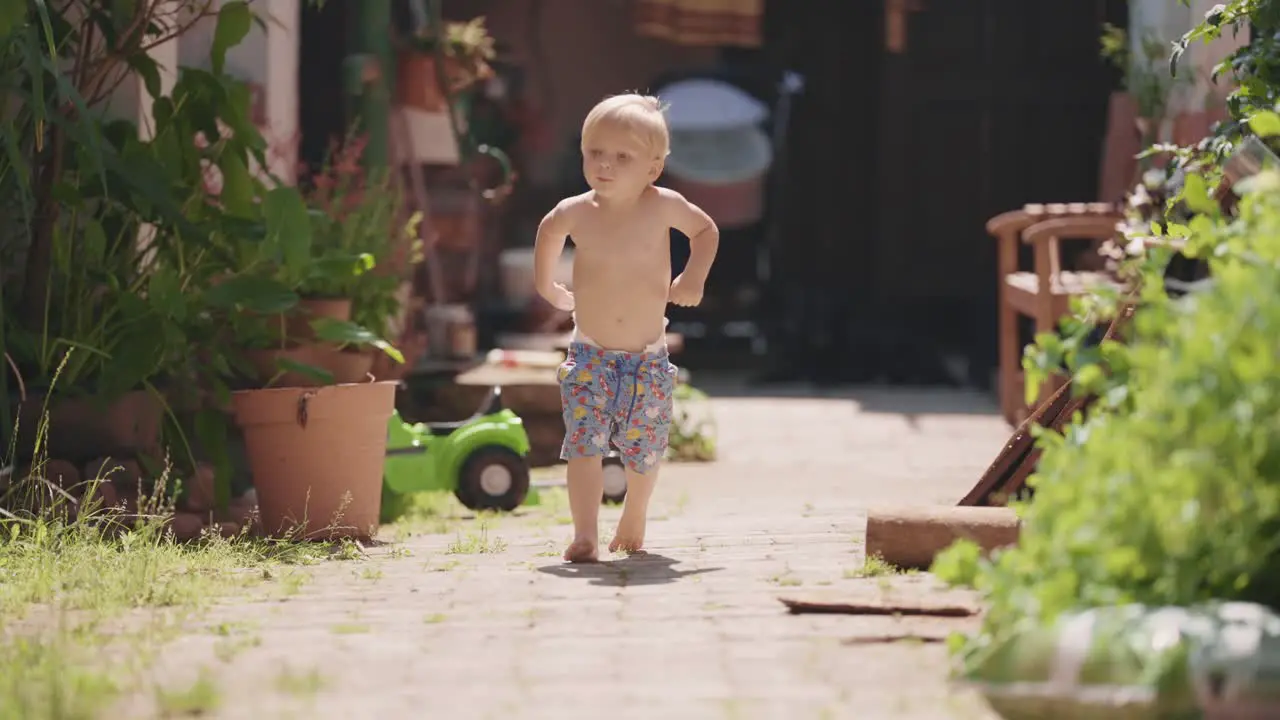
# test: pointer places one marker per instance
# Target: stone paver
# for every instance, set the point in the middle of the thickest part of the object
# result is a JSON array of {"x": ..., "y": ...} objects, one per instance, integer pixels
[{"x": 692, "y": 631}]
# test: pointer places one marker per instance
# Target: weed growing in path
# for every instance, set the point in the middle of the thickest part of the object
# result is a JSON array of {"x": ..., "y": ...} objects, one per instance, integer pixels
[
  {"x": 786, "y": 579},
  {"x": 477, "y": 542},
  {"x": 875, "y": 566},
  {"x": 300, "y": 684}
]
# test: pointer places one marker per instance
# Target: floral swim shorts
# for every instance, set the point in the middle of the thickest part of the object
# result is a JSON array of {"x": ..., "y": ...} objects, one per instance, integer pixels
[{"x": 623, "y": 398}]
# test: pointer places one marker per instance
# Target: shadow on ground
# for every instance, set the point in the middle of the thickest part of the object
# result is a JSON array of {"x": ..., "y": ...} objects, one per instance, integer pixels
[{"x": 638, "y": 569}]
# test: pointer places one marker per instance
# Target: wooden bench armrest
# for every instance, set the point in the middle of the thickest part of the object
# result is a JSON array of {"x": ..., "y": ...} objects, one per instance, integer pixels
[
  {"x": 1081, "y": 227},
  {"x": 1011, "y": 222},
  {"x": 1016, "y": 220}
]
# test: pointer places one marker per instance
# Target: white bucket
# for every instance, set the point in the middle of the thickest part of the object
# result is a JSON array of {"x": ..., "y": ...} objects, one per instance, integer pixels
[{"x": 516, "y": 278}]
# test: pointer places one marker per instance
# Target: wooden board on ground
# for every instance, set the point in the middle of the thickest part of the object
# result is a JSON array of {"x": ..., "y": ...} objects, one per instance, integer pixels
[
  {"x": 868, "y": 601},
  {"x": 879, "y": 630}
]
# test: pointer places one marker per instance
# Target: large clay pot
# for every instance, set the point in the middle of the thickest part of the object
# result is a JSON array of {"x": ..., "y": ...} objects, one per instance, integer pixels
[{"x": 316, "y": 456}]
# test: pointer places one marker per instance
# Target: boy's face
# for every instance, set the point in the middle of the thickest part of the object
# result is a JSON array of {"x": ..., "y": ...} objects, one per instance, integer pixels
[{"x": 616, "y": 162}]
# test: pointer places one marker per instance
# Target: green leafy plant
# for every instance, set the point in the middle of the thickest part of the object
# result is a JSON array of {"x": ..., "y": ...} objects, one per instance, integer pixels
[
  {"x": 692, "y": 426},
  {"x": 110, "y": 240},
  {"x": 1255, "y": 66},
  {"x": 1253, "y": 72},
  {"x": 358, "y": 238},
  {"x": 1169, "y": 492},
  {"x": 147, "y": 256},
  {"x": 77, "y": 191}
]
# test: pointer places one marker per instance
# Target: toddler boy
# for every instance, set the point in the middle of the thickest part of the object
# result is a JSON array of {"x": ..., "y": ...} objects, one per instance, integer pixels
[{"x": 616, "y": 383}]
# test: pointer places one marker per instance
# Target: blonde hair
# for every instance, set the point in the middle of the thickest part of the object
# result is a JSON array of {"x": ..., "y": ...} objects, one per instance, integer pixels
[{"x": 643, "y": 115}]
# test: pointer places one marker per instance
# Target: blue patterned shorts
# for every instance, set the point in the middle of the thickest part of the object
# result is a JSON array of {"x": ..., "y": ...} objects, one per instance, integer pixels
[{"x": 623, "y": 398}]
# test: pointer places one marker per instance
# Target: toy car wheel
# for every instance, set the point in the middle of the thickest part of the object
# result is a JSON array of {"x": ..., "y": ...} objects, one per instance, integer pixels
[
  {"x": 493, "y": 478},
  {"x": 615, "y": 480}
]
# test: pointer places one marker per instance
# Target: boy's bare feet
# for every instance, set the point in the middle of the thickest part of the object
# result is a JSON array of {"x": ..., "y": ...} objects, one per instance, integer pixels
[
  {"x": 585, "y": 478},
  {"x": 629, "y": 537},
  {"x": 581, "y": 551}
]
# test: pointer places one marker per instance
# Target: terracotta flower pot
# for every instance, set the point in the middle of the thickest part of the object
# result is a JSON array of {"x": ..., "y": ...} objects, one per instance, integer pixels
[
  {"x": 346, "y": 366},
  {"x": 418, "y": 84},
  {"x": 84, "y": 427},
  {"x": 316, "y": 456},
  {"x": 1191, "y": 127},
  {"x": 298, "y": 321}
]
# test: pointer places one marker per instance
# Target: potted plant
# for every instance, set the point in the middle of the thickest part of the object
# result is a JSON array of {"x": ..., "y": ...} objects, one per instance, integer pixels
[
  {"x": 458, "y": 57},
  {"x": 316, "y": 456},
  {"x": 314, "y": 446},
  {"x": 314, "y": 429},
  {"x": 344, "y": 293}
]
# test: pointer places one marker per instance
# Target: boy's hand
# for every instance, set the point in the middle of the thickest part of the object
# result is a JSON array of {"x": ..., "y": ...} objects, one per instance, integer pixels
[
  {"x": 559, "y": 297},
  {"x": 685, "y": 292}
]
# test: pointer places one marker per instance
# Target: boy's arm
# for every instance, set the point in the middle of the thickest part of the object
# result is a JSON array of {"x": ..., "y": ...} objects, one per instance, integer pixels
[
  {"x": 704, "y": 236},
  {"x": 552, "y": 232}
]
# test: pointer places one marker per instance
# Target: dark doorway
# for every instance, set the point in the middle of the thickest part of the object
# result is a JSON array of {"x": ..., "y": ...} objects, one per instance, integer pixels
[
  {"x": 322, "y": 110},
  {"x": 900, "y": 156}
]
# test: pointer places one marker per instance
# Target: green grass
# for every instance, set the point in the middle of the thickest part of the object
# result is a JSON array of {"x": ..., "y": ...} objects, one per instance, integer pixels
[
  {"x": 44, "y": 678},
  {"x": 67, "y": 587},
  {"x": 202, "y": 697},
  {"x": 429, "y": 513}
]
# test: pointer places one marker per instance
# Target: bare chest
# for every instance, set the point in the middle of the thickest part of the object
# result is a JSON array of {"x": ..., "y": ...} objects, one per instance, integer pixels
[{"x": 635, "y": 238}]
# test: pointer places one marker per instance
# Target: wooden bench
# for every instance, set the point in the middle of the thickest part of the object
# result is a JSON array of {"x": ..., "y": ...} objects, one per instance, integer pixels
[{"x": 1044, "y": 292}]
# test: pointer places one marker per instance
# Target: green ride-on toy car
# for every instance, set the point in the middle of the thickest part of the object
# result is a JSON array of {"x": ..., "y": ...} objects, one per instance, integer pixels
[{"x": 483, "y": 460}]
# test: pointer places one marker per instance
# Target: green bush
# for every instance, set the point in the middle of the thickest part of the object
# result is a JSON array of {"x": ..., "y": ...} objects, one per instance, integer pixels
[{"x": 1169, "y": 492}]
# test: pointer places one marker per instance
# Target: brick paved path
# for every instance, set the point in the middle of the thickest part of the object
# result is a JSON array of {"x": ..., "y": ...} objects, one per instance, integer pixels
[{"x": 434, "y": 628}]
